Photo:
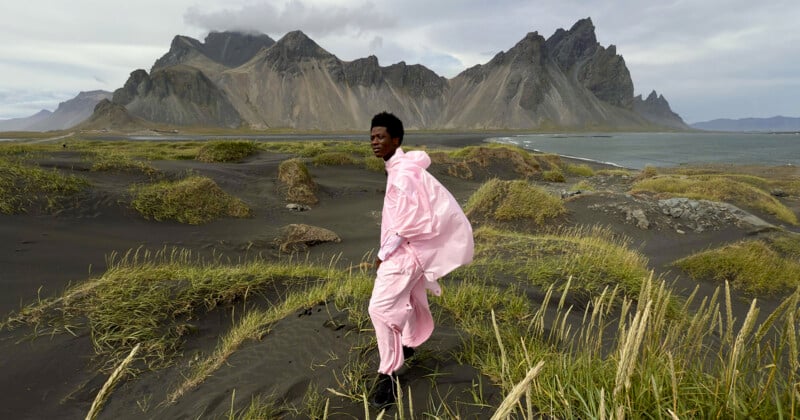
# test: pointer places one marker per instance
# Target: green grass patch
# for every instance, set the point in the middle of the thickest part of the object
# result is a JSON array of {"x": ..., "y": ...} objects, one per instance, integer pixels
[
  {"x": 462, "y": 161},
  {"x": 717, "y": 188},
  {"x": 614, "y": 172},
  {"x": 579, "y": 170},
  {"x": 226, "y": 151},
  {"x": 333, "y": 159},
  {"x": 23, "y": 186},
  {"x": 312, "y": 148},
  {"x": 106, "y": 162},
  {"x": 648, "y": 172},
  {"x": 151, "y": 298},
  {"x": 193, "y": 200},
  {"x": 595, "y": 258},
  {"x": 513, "y": 200},
  {"x": 147, "y": 150},
  {"x": 752, "y": 266},
  {"x": 374, "y": 164},
  {"x": 554, "y": 175}
]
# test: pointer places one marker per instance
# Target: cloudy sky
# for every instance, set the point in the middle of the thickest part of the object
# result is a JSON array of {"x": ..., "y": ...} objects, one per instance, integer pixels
[{"x": 709, "y": 58}]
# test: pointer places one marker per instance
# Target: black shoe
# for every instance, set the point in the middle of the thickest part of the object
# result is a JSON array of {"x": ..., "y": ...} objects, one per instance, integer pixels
[
  {"x": 384, "y": 393},
  {"x": 408, "y": 353}
]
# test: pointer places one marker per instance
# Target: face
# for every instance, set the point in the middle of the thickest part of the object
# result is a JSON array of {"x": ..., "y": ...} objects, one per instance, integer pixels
[{"x": 383, "y": 145}]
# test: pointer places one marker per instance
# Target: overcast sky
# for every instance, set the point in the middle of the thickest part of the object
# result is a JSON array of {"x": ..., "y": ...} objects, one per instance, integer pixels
[{"x": 709, "y": 58}]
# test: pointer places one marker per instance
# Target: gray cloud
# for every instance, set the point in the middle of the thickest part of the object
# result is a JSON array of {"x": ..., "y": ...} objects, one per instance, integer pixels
[
  {"x": 312, "y": 19},
  {"x": 732, "y": 58}
]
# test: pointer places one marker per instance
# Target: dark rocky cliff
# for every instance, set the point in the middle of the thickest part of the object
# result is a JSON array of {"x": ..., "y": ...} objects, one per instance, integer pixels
[
  {"x": 599, "y": 69},
  {"x": 180, "y": 95}
]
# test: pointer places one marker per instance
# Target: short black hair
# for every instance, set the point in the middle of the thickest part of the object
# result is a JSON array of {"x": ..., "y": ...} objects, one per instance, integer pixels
[{"x": 393, "y": 125}]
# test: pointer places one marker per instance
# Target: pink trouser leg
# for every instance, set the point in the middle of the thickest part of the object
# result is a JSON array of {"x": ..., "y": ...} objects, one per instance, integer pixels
[
  {"x": 419, "y": 325},
  {"x": 399, "y": 311}
]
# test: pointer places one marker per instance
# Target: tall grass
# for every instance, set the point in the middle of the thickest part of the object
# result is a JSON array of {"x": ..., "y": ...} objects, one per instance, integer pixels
[{"x": 658, "y": 365}]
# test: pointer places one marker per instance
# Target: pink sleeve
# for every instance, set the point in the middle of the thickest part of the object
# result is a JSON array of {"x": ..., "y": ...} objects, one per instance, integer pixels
[
  {"x": 391, "y": 245},
  {"x": 409, "y": 216}
]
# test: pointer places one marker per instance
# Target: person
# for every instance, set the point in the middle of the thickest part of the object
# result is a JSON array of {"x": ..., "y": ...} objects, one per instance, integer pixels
[{"x": 424, "y": 235}]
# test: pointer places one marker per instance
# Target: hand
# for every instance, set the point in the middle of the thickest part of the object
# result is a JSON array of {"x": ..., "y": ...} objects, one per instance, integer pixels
[{"x": 377, "y": 263}]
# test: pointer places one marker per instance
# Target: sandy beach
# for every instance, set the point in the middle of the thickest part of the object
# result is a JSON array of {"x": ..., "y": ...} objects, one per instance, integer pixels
[{"x": 42, "y": 254}]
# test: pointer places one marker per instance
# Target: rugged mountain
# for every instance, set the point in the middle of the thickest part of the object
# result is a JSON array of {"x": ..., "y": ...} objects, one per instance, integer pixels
[
  {"x": 68, "y": 114},
  {"x": 179, "y": 94},
  {"x": 296, "y": 83},
  {"x": 773, "y": 124},
  {"x": 584, "y": 60},
  {"x": 568, "y": 81},
  {"x": 111, "y": 116},
  {"x": 656, "y": 110}
]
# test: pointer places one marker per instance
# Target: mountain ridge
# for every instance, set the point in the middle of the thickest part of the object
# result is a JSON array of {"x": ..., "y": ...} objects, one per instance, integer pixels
[
  {"x": 247, "y": 80},
  {"x": 68, "y": 114},
  {"x": 777, "y": 123}
]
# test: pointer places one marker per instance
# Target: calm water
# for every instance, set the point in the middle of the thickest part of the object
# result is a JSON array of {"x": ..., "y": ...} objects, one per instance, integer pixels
[{"x": 635, "y": 150}]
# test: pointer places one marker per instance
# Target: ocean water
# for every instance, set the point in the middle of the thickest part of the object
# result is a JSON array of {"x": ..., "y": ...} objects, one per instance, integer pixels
[{"x": 635, "y": 150}]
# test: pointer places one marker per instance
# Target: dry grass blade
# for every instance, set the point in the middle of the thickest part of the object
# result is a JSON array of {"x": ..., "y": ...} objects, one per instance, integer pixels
[
  {"x": 511, "y": 399},
  {"x": 101, "y": 397}
]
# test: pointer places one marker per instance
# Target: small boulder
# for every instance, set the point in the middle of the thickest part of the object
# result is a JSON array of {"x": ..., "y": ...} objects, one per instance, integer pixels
[
  {"x": 297, "y": 207},
  {"x": 298, "y": 237}
]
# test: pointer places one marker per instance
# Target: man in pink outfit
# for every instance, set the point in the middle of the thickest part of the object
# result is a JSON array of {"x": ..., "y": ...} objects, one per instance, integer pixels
[{"x": 424, "y": 235}]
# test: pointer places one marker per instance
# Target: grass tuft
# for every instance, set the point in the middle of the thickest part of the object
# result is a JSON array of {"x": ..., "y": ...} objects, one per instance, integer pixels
[
  {"x": 23, "y": 186},
  {"x": 333, "y": 159},
  {"x": 109, "y": 161},
  {"x": 751, "y": 265},
  {"x": 226, "y": 151},
  {"x": 513, "y": 200},
  {"x": 296, "y": 182},
  {"x": 554, "y": 175},
  {"x": 193, "y": 200},
  {"x": 579, "y": 170}
]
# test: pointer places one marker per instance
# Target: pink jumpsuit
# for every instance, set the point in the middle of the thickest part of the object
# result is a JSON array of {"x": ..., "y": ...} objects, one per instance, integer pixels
[{"x": 424, "y": 235}]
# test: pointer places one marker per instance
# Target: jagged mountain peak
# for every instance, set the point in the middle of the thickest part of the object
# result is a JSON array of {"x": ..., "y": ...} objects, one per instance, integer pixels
[
  {"x": 654, "y": 96},
  {"x": 297, "y": 44},
  {"x": 570, "y": 47},
  {"x": 229, "y": 48}
]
